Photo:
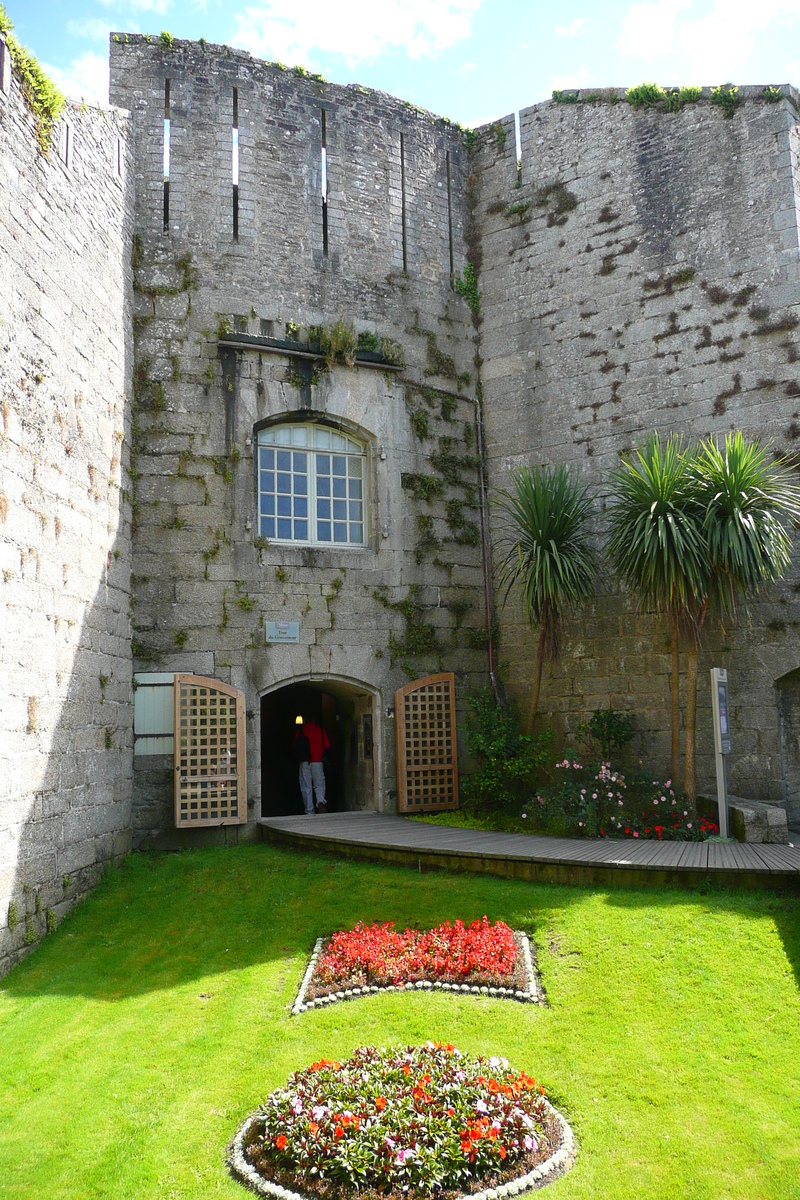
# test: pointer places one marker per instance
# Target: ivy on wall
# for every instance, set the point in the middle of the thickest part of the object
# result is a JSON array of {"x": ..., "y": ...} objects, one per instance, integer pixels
[{"x": 43, "y": 98}]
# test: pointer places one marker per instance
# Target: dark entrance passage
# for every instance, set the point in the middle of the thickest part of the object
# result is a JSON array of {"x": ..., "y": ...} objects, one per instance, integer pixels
[{"x": 346, "y": 713}]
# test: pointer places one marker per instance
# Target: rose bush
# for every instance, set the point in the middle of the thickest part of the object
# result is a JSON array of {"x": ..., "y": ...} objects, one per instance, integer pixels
[
  {"x": 398, "y": 1121},
  {"x": 602, "y": 802}
]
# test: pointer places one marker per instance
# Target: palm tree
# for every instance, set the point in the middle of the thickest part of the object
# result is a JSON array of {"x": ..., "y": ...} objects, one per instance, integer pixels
[
  {"x": 548, "y": 553},
  {"x": 749, "y": 499},
  {"x": 656, "y": 542}
]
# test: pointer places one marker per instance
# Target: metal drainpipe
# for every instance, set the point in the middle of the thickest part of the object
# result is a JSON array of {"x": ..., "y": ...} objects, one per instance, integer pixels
[{"x": 487, "y": 592}]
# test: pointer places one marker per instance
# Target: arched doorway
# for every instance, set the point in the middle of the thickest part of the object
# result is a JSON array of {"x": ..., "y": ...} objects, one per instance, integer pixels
[
  {"x": 787, "y": 690},
  {"x": 349, "y": 714}
]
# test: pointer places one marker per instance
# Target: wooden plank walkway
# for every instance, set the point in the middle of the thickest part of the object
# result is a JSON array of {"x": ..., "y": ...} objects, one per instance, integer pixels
[{"x": 380, "y": 837}]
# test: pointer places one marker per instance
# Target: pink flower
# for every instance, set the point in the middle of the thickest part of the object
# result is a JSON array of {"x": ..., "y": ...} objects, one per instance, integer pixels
[
  {"x": 530, "y": 1143},
  {"x": 619, "y": 802},
  {"x": 635, "y": 835},
  {"x": 481, "y": 1106},
  {"x": 594, "y": 795},
  {"x": 688, "y": 824},
  {"x": 668, "y": 783}
]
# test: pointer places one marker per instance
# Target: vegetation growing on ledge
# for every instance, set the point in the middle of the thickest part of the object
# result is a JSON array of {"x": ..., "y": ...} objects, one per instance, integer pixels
[{"x": 45, "y": 101}]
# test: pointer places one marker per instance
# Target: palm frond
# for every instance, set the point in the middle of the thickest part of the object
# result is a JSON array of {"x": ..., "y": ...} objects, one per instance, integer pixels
[
  {"x": 750, "y": 501},
  {"x": 548, "y": 549},
  {"x": 656, "y": 532}
]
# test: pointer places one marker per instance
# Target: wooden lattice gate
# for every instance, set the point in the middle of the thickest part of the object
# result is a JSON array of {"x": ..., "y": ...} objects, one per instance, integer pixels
[
  {"x": 210, "y": 771},
  {"x": 427, "y": 766}
]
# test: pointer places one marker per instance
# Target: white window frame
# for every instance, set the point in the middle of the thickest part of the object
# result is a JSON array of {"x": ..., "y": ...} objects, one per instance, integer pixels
[{"x": 266, "y": 440}]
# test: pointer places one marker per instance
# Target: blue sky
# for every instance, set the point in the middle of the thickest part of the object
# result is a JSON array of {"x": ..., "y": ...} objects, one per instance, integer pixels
[{"x": 471, "y": 60}]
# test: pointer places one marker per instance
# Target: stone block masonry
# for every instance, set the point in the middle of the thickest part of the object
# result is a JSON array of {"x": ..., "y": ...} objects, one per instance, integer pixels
[
  {"x": 65, "y": 662},
  {"x": 642, "y": 272},
  {"x": 410, "y": 599}
]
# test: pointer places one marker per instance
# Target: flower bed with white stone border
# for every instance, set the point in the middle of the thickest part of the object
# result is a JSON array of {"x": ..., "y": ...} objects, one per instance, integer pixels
[
  {"x": 403, "y": 1123},
  {"x": 479, "y": 959}
]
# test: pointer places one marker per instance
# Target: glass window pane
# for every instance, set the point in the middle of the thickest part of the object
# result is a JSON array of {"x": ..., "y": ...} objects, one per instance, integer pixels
[
  {"x": 324, "y": 508},
  {"x": 284, "y": 529},
  {"x": 354, "y": 510},
  {"x": 283, "y": 435},
  {"x": 339, "y": 464},
  {"x": 339, "y": 510},
  {"x": 323, "y": 485},
  {"x": 266, "y": 435},
  {"x": 339, "y": 531},
  {"x": 301, "y": 531},
  {"x": 323, "y": 464},
  {"x": 322, "y": 437},
  {"x": 284, "y": 506},
  {"x": 299, "y": 462},
  {"x": 354, "y": 467},
  {"x": 299, "y": 435},
  {"x": 323, "y": 531},
  {"x": 338, "y": 441},
  {"x": 284, "y": 460},
  {"x": 301, "y": 506},
  {"x": 268, "y": 481},
  {"x": 339, "y": 486},
  {"x": 268, "y": 506},
  {"x": 268, "y": 527},
  {"x": 301, "y": 485},
  {"x": 354, "y": 489},
  {"x": 284, "y": 483},
  {"x": 356, "y": 534}
]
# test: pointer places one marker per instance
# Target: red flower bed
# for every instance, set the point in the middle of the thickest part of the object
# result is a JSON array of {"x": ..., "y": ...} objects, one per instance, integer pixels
[{"x": 378, "y": 955}]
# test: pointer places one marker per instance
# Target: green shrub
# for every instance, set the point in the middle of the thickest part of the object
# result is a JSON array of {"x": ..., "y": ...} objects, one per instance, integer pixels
[
  {"x": 726, "y": 97},
  {"x": 677, "y": 97},
  {"x": 645, "y": 95},
  {"x": 507, "y": 760},
  {"x": 338, "y": 343},
  {"x": 595, "y": 800},
  {"x": 43, "y": 98},
  {"x": 610, "y": 729}
]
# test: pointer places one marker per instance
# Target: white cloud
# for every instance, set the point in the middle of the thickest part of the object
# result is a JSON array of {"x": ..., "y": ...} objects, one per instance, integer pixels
[
  {"x": 577, "y": 27},
  {"x": 94, "y": 29},
  {"x": 86, "y": 77},
  {"x": 648, "y": 30},
  {"x": 721, "y": 42},
  {"x": 294, "y": 31},
  {"x": 161, "y": 7},
  {"x": 467, "y": 66},
  {"x": 575, "y": 79},
  {"x": 713, "y": 46}
]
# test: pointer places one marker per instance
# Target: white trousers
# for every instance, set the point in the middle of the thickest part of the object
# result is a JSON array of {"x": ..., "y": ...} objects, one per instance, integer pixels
[{"x": 312, "y": 774}]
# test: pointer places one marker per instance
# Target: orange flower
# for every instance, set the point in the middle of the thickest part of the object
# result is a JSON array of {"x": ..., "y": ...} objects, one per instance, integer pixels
[
  {"x": 380, "y": 1103},
  {"x": 313, "y": 1127},
  {"x": 466, "y": 1145},
  {"x": 338, "y": 1132},
  {"x": 280, "y": 1141},
  {"x": 502, "y": 1151}
]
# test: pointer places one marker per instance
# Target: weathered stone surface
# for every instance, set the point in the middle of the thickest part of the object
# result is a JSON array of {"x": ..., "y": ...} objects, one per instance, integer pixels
[{"x": 65, "y": 345}]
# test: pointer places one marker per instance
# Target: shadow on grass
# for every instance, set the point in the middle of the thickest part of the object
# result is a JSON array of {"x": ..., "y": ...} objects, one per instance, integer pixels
[{"x": 161, "y": 922}]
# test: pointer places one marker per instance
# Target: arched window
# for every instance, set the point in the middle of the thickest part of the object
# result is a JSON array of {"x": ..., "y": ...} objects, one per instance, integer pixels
[{"x": 311, "y": 481}]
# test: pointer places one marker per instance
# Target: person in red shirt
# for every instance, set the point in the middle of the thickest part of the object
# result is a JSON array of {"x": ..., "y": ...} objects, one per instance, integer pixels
[{"x": 310, "y": 743}]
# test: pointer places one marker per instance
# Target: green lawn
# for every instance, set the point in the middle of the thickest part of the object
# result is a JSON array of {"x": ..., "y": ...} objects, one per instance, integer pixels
[{"x": 137, "y": 1038}]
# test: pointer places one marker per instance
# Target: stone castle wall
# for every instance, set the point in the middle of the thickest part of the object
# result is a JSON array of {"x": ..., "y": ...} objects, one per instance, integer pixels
[
  {"x": 644, "y": 274},
  {"x": 205, "y": 582},
  {"x": 65, "y": 346}
]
